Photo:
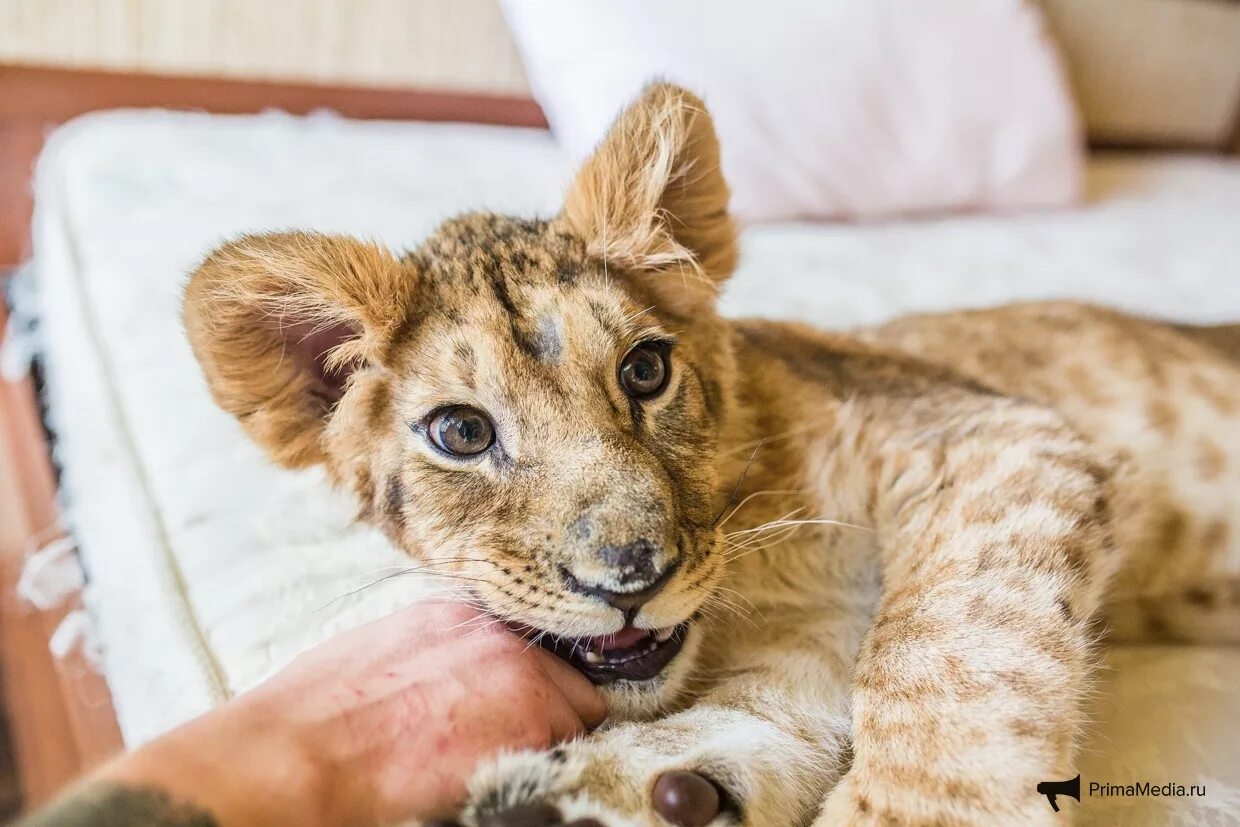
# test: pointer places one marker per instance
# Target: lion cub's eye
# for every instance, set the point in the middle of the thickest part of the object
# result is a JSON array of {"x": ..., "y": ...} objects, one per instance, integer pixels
[
  {"x": 461, "y": 430},
  {"x": 643, "y": 371}
]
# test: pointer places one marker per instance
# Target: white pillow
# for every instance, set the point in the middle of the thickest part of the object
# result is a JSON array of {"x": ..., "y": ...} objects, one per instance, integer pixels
[{"x": 828, "y": 108}]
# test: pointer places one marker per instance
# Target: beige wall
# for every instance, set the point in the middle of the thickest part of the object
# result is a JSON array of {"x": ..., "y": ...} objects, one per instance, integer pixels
[
  {"x": 456, "y": 44},
  {"x": 1153, "y": 70}
]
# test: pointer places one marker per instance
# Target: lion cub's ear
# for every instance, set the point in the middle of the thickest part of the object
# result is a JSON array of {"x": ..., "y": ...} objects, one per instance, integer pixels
[
  {"x": 279, "y": 323},
  {"x": 652, "y": 200}
]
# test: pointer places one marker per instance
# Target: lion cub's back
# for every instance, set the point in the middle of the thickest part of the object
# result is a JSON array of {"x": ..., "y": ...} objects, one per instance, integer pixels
[{"x": 1167, "y": 397}]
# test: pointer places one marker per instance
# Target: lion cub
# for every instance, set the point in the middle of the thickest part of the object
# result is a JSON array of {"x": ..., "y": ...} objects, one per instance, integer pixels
[{"x": 841, "y": 579}]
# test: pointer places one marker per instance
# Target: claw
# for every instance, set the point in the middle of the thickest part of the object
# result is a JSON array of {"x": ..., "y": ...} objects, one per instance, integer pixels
[{"x": 524, "y": 815}]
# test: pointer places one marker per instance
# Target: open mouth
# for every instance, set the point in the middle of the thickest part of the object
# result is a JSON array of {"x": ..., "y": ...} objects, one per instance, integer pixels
[{"x": 630, "y": 654}]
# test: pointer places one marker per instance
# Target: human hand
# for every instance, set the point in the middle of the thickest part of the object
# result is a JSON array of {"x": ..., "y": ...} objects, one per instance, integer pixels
[{"x": 399, "y": 711}]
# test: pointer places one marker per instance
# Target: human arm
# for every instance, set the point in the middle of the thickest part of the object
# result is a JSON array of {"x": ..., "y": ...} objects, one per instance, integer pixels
[{"x": 381, "y": 723}]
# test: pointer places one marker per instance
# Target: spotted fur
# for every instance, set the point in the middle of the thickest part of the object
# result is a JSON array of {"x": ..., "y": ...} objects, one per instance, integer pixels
[{"x": 899, "y": 546}]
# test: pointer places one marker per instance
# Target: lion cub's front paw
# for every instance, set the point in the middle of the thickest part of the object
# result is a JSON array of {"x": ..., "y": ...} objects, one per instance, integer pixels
[{"x": 576, "y": 786}]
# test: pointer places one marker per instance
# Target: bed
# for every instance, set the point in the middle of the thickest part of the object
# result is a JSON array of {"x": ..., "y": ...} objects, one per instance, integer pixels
[{"x": 207, "y": 569}]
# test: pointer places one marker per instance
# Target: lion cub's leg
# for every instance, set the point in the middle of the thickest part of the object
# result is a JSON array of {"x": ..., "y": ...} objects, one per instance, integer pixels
[
  {"x": 996, "y": 550},
  {"x": 771, "y": 735}
]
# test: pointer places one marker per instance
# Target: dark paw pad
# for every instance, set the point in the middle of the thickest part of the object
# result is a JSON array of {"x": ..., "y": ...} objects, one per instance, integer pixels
[
  {"x": 524, "y": 815},
  {"x": 686, "y": 799}
]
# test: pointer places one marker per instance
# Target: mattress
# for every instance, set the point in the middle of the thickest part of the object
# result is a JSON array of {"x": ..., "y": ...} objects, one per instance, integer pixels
[{"x": 208, "y": 569}]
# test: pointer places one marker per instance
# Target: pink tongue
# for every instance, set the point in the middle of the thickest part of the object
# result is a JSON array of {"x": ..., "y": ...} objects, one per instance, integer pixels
[{"x": 626, "y": 638}]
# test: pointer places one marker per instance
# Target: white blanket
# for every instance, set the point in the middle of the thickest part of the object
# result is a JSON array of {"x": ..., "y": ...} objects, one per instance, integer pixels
[{"x": 208, "y": 569}]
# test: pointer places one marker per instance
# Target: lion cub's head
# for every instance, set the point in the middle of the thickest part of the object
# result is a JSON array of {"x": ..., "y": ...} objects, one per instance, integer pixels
[{"x": 533, "y": 406}]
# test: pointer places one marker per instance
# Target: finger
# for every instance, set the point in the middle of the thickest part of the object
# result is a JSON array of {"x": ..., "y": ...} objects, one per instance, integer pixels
[
  {"x": 563, "y": 719},
  {"x": 577, "y": 689}
]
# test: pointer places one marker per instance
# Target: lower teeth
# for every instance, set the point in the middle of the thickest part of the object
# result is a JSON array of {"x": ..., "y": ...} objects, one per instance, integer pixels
[{"x": 595, "y": 657}]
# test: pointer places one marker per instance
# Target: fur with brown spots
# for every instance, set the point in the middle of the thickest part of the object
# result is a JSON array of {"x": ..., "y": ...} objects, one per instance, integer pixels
[{"x": 894, "y": 547}]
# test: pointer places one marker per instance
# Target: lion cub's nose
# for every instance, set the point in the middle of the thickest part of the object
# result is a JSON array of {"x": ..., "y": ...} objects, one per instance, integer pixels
[
  {"x": 631, "y": 565},
  {"x": 626, "y": 601},
  {"x": 632, "y": 577}
]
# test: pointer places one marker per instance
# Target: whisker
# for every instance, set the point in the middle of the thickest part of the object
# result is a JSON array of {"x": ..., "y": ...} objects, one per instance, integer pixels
[
  {"x": 764, "y": 527},
  {"x": 788, "y": 434},
  {"x": 774, "y": 536},
  {"x": 756, "y": 549},
  {"x": 752, "y": 607},
  {"x": 749, "y": 497},
  {"x": 736, "y": 489},
  {"x": 428, "y": 568},
  {"x": 482, "y": 628},
  {"x": 738, "y": 551},
  {"x": 424, "y": 565},
  {"x": 821, "y": 521}
]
